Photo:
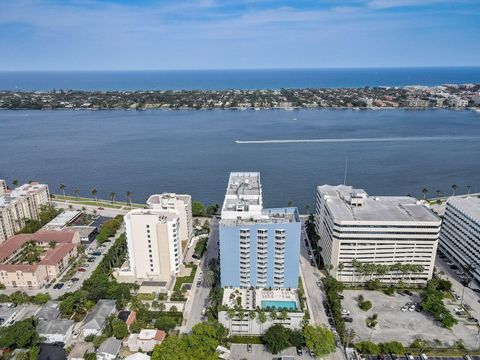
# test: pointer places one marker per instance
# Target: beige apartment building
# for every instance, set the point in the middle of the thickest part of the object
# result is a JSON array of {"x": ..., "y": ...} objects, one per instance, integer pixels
[
  {"x": 362, "y": 230},
  {"x": 20, "y": 204},
  {"x": 154, "y": 246},
  {"x": 18, "y": 271},
  {"x": 180, "y": 203}
]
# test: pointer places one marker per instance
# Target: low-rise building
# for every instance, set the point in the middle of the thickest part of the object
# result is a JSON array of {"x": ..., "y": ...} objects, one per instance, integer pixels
[
  {"x": 138, "y": 356},
  {"x": 19, "y": 205},
  {"x": 29, "y": 261},
  {"x": 94, "y": 322},
  {"x": 362, "y": 237},
  {"x": 109, "y": 349},
  {"x": 460, "y": 235},
  {"x": 55, "y": 331},
  {"x": 145, "y": 340},
  {"x": 63, "y": 219}
]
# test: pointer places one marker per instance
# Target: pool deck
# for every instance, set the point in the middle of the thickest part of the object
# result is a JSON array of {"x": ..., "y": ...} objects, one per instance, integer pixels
[{"x": 250, "y": 299}]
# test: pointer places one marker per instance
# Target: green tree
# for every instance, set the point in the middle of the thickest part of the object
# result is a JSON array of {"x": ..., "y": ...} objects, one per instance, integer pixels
[
  {"x": 20, "y": 335},
  {"x": 319, "y": 339},
  {"x": 129, "y": 195},
  {"x": 198, "y": 209},
  {"x": 119, "y": 329},
  {"x": 33, "y": 353},
  {"x": 90, "y": 356},
  {"x": 454, "y": 188},
  {"x": 276, "y": 339},
  {"x": 165, "y": 323},
  {"x": 111, "y": 196},
  {"x": 62, "y": 188},
  {"x": 41, "y": 298},
  {"x": 296, "y": 338},
  {"x": 392, "y": 347},
  {"x": 94, "y": 193},
  {"x": 77, "y": 193},
  {"x": 367, "y": 347},
  {"x": 424, "y": 192},
  {"x": 15, "y": 182}
]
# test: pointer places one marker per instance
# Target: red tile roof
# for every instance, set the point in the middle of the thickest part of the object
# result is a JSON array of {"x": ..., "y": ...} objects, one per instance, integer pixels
[
  {"x": 53, "y": 256},
  {"x": 15, "y": 242},
  {"x": 160, "y": 335}
]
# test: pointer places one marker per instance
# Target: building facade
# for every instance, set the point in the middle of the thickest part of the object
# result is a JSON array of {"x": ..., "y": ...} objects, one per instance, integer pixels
[
  {"x": 460, "y": 235},
  {"x": 52, "y": 252},
  {"x": 154, "y": 246},
  {"x": 20, "y": 204},
  {"x": 258, "y": 247},
  {"x": 180, "y": 203},
  {"x": 358, "y": 233}
]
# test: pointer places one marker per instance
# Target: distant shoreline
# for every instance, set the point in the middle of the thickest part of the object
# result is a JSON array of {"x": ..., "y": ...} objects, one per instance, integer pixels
[{"x": 449, "y": 96}]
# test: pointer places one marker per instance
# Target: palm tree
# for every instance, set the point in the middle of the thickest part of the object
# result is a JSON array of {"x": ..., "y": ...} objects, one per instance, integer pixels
[
  {"x": 77, "y": 192},
  {"x": 231, "y": 314},
  {"x": 62, "y": 188},
  {"x": 439, "y": 202},
  {"x": 52, "y": 244},
  {"x": 454, "y": 187},
  {"x": 155, "y": 304},
  {"x": 94, "y": 212},
  {"x": 84, "y": 208},
  {"x": 424, "y": 192},
  {"x": 210, "y": 278},
  {"x": 15, "y": 182},
  {"x": 94, "y": 193},
  {"x": 437, "y": 193},
  {"x": 129, "y": 197},
  {"x": 112, "y": 196},
  {"x": 284, "y": 315},
  {"x": 468, "y": 190},
  {"x": 273, "y": 315},
  {"x": 262, "y": 317},
  {"x": 161, "y": 307}
]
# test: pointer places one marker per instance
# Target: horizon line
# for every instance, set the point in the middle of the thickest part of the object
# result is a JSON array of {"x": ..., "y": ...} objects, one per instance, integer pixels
[{"x": 249, "y": 69}]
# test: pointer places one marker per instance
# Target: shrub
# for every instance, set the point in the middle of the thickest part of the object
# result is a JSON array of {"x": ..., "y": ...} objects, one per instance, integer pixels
[
  {"x": 365, "y": 305},
  {"x": 390, "y": 291},
  {"x": 392, "y": 347},
  {"x": 373, "y": 284},
  {"x": 367, "y": 347}
]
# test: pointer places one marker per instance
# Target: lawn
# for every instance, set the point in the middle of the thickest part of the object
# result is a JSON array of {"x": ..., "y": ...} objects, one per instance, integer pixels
[{"x": 185, "y": 279}]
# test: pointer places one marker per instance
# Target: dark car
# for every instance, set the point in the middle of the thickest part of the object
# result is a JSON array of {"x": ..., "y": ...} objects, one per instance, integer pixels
[
  {"x": 299, "y": 351},
  {"x": 74, "y": 279},
  {"x": 96, "y": 253},
  {"x": 341, "y": 297},
  {"x": 408, "y": 292},
  {"x": 249, "y": 347},
  {"x": 348, "y": 319},
  {"x": 393, "y": 356},
  {"x": 82, "y": 269},
  {"x": 330, "y": 321},
  {"x": 58, "y": 286},
  {"x": 48, "y": 286},
  {"x": 91, "y": 259}
]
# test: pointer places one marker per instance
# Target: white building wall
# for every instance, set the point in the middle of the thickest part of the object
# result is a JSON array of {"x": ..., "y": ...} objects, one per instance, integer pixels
[{"x": 255, "y": 327}]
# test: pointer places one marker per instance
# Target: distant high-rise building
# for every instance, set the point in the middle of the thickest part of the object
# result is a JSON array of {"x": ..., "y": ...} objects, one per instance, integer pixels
[
  {"x": 180, "y": 203},
  {"x": 20, "y": 204},
  {"x": 258, "y": 247},
  {"x": 154, "y": 246},
  {"x": 355, "y": 228},
  {"x": 460, "y": 235}
]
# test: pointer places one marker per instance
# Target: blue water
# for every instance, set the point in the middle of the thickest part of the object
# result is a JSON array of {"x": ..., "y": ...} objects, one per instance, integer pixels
[
  {"x": 235, "y": 79},
  {"x": 280, "y": 304},
  {"x": 193, "y": 151}
]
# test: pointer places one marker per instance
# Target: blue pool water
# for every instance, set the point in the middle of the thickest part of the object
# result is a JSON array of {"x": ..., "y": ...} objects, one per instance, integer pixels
[{"x": 279, "y": 304}]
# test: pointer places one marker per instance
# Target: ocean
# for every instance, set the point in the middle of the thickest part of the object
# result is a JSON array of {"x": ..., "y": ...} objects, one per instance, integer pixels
[
  {"x": 235, "y": 79},
  {"x": 389, "y": 152}
]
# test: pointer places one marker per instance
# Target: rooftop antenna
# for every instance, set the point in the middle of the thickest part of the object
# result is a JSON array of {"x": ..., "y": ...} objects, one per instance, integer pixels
[{"x": 345, "y": 172}]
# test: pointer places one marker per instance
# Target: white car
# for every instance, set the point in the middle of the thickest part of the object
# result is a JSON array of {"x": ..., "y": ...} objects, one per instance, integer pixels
[
  {"x": 345, "y": 312},
  {"x": 459, "y": 272},
  {"x": 411, "y": 308},
  {"x": 458, "y": 309},
  {"x": 404, "y": 308}
]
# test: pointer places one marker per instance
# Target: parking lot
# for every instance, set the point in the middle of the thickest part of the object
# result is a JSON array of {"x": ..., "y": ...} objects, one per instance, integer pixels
[
  {"x": 371, "y": 357},
  {"x": 403, "y": 326}
]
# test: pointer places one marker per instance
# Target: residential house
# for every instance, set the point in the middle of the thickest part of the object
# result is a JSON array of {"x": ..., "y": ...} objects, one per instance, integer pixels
[
  {"x": 145, "y": 340},
  {"x": 95, "y": 321},
  {"x": 109, "y": 349}
]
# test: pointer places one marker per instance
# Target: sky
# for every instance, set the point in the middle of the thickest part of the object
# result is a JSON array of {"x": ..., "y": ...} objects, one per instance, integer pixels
[{"x": 237, "y": 34}]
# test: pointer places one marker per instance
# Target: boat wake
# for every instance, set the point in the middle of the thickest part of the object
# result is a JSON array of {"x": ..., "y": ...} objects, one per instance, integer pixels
[{"x": 362, "y": 140}]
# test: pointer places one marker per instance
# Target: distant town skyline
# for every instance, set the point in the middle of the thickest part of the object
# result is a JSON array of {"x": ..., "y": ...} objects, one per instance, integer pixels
[{"x": 234, "y": 34}]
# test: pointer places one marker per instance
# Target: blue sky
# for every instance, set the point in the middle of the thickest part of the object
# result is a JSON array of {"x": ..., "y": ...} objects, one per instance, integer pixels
[{"x": 235, "y": 34}]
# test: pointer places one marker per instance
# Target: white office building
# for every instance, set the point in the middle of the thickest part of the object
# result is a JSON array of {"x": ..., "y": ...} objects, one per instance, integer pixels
[
  {"x": 387, "y": 230},
  {"x": 460, "y": 235},
  {"x": 154, "y": 247},
  {"x": 179, "y": 203}
]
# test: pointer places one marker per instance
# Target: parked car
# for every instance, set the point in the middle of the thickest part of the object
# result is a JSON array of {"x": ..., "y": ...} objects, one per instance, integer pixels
[
  {"x": 311, "y": 353},
  {"x": 48, "y": 286},
  {"x": 345, "y": 312},
  {"x": 393, "y": 356},
  {"x": 101, "y": 208},
  {"x": 404, "y": 308},
  {"x": 459, "y": 272},
  {"x": 467, "y": 357},
  {"x": 457, "y": 309},
  {"x": 58, "y": 286},
  {"x": 409, "y": 356},
  {"x": 424, "y": 356},
  {"x": 82, "y": 269},
  {"x": 341, "y": 297},
  {"x": 408, "y": 292},
  {"x": 74, "y": 279},
  {"x": 348, "y": 319},
  {"x": 96, "y": 253},
  {"x": 91, "y": 259},
  {"x": 330, "y": 321},
  {"x": 249, "y": 347},
  {"x": 299, "y": 351}
]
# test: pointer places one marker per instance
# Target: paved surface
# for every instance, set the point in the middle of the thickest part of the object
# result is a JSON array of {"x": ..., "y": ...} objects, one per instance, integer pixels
[
  {"x": 394, "y": 324},
  {"x": 18, "y": 313},
  {"x": 108, "y": 212},
  {"x": 371, "y": 357},
  {"x": 239, "y": 351},
  {"x": 199, "y": 298},
  {"x": 315, "y": 294}
]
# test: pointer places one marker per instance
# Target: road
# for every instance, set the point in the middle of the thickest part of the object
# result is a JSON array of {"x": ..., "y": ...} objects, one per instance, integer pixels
[
  {"x": 259, "y": 352},
  {"x": 470, "y": 297},
  {"x": 315, "y": 295},
  {"x": 199, "y": 298},
  {"x": 108, "y": 212}
]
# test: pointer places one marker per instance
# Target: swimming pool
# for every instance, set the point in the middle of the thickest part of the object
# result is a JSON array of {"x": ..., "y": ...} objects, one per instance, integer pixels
[{"x": 279, "y": 304}]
